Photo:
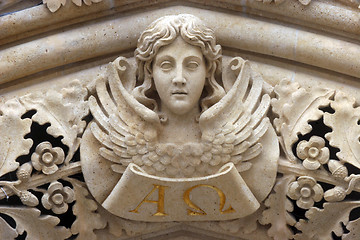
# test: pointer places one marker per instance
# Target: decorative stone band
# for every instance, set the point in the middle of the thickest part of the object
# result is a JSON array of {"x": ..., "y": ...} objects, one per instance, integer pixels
[
  {"x": 144, "y": 197},
  {"x": 85, "y": 42}
]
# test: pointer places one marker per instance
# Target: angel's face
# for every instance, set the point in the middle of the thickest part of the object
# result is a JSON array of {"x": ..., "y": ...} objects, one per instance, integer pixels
[{"x": 179, "y": 73}]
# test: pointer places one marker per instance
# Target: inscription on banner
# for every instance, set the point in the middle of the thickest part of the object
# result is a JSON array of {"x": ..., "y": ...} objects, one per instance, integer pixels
[
  {"x": 160, "y": 202},
  {"x": 198, "y": 211},
  {"x": 143, "y": 197}
]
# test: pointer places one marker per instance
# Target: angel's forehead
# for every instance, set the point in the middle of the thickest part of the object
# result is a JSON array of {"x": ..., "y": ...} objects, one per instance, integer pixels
[{"x": 179, "y": 49}]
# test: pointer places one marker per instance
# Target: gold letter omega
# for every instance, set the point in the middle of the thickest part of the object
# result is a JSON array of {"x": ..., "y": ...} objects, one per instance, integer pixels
[
  {"x": 199, "y": 210},
  {"x": 160, "y": 202}
]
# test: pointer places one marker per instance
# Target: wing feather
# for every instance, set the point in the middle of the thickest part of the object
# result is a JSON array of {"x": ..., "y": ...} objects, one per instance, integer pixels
[
  {"x": 100, "y": 135},
  {"x": 241, "y": 116},
  {"x": 243, "y": 76},
  {"x": 109, "y": 155},
  {"x": 118, "y": 140},
  {"x": 252, "y": 152},
  {"x": 240, "y": 148},
  {"x": 128, "y": 107},
  {"x": 259, "y": 131},
  {"x": 241, "y": 123},
  {"x": 118, "y": 168},
  {"x": 105, "y": 99},
  {"x": 223, "y": 111},
  {"x": 243, "y": 166},
  {"x": 254, "y": 94},
  {"x": 98, "y": 113},
  {"x": 119, "y": 125},
  {"x": 120, "y": 121},
  {"x": 243, "y": 135},
  {"x": 121, "y": 152},
  {"x": 260, "y": 111}
]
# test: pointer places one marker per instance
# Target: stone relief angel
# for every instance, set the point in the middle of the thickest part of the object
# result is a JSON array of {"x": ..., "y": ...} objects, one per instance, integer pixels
[
  {"x": 178, "y": 118},
  {"x": 155, "y": 128}
]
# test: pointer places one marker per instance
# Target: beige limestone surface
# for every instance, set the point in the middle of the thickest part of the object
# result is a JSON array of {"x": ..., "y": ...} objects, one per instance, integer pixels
[{"x": 226, "y": 120}]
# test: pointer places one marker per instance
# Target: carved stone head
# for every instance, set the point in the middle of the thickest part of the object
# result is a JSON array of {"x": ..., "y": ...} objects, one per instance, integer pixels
[{"x": 164, "y": 32}]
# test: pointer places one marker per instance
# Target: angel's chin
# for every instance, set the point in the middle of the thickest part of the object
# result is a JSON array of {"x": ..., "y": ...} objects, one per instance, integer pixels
[{"x": 181, "y": 107}]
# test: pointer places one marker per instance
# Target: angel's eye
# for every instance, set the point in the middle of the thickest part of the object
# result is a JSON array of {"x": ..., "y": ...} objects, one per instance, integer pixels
[
  {"x": 192, "y": 65},
  {"x": 166, "y": 65}
]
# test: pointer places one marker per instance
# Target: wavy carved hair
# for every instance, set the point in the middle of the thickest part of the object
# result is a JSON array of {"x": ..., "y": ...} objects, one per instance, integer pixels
[{"x": 163, "y": 32}]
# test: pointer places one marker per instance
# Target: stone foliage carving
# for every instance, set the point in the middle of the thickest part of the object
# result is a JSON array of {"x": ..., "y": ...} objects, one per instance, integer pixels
[
  {"x": 353, "y": 3},
  {"x": 54, "y": 5},
  {"x": 130, "y": 154},
  {"x": 304, "y": 2}
]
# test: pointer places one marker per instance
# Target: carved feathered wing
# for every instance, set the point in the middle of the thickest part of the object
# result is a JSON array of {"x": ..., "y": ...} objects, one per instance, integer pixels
[
  {"x": 126, "y": 129},
  {"x": 233, "y": 127}
]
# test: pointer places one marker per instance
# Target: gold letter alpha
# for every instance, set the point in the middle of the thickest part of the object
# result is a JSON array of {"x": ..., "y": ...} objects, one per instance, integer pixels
[{"x": 160, "y": 202}]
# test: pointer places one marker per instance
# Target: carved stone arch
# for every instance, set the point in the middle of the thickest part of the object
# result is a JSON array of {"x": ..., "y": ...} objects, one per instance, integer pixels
[{"x": 305, "y": 52}]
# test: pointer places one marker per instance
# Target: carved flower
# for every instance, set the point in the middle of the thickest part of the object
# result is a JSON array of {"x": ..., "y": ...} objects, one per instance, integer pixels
[
  {"x": 313, "y": 152},
  {"x": 306, "y": 191},
  {"x": 57, "y": 198},
  {"x": 46, "y": 158}
]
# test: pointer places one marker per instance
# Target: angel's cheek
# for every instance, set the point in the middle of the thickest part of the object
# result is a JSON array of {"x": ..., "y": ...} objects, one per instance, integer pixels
[{"x": 163, "y": 87}]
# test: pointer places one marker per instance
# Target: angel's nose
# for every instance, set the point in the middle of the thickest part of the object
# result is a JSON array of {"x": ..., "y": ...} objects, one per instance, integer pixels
[{"x": 179, "y": 79}]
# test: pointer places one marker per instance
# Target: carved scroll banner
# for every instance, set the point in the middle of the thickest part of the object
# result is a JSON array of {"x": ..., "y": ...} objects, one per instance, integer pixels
[{"x": 144, "y": 197}]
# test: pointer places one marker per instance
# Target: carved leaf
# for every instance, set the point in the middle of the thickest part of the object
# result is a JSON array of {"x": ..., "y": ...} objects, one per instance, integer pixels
[
  {"x": 354, "y": 3},
  {"x": 244, "y": 225},
  {"x": 37, "y": 227},
  {"x": 7, "y": 232},
  {"x": 13, "y": 129},
  {"x": 305, "y": 2},
  {"x": 87, "y": 2},
  {"x": 87, "y": 219},
  {"x": 296, "y": 107},
  {"x": 354, "y": 228},
  {"x": 270, "y": 1},
  {"x": 345, "y": 129},
  {"x": 77, "y": 2},
  {"x": 118, "y": 227},
  {"x": 64, "y": 111},
  {"x": 278, "y": 210},
  {"x": 115, "y": 224},
  {"x": 54, "y": 5},
  {"x": 322, "y": 222}
]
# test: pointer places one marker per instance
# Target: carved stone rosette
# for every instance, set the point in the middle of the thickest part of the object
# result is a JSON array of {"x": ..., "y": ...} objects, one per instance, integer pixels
[{"x": 101, "y": 159}]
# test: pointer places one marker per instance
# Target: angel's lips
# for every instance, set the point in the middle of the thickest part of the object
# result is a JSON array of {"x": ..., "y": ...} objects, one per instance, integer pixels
[{"x": 179, "y": 93}]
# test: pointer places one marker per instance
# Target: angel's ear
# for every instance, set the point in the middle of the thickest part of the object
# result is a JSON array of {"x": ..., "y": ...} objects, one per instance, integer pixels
[
  {"x": 208, "y": 69},
  {"x": 208, "y": 74}
]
